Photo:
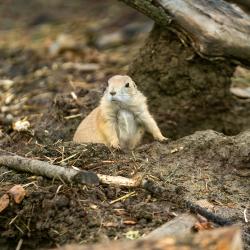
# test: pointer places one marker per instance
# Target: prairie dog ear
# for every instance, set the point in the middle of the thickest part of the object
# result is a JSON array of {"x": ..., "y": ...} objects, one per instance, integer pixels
[
  {"x": 131, "y": 81},
  {"x": 107, "y": 80},
  {"x": 104, "y": 87},
  {"x": 135, "y": 86}
]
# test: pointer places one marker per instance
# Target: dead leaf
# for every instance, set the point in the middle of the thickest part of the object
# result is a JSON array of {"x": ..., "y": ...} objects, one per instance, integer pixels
[
  {"x": 6, "y": 83},
  {"x": 18, "y": 193},
  {"x": 120, "y": 211},
  {"x": 93, "y": 206},
  {"x": 109, "y": 224},
  {"x": 200, "y": 226},
  {"x": 129, "y": 222},
  {"x": 63, "y": 42},
  {"x": 241, "y": 72},
  {"x": 21, "y": 125},
  {"x": 132, "y": 235},
  {"x": 205, "y": 204},
  {"x": 84, "y": 67},
  {"x": 240, "y": 92},
  {"x": 176, "y": 150},
  {"x": 4, "y": 202},
  {"x": 1, "y": 133}
]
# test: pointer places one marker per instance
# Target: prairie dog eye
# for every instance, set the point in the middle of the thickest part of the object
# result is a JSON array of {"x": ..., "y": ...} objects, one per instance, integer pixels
[{"x": 127, "y": 85}]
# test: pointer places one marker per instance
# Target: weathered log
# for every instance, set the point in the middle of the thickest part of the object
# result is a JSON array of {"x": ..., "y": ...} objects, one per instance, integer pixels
[
  {"x": 214, "y": 28},
  {"x": 220, "y": 239},
  {"x": 47, "y": 170},
  {"x": 244, "y": 4},
  {"x": 209, "y": 215},
  {"x": 181, "y": 225}
]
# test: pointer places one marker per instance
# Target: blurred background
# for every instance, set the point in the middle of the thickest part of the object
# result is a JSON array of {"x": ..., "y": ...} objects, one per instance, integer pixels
[{"x": 76, "y": 31}]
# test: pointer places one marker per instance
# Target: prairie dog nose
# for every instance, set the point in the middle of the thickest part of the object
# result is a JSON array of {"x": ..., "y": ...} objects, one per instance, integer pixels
[{"x": 112, "y": 93}]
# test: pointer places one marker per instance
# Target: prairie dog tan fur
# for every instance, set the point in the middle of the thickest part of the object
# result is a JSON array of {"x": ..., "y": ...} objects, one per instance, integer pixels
[{"x": 121, "y": 118}]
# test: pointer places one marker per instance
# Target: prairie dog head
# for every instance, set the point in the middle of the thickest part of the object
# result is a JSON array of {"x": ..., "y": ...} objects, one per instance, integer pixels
[{"x": 121, "y": 88}]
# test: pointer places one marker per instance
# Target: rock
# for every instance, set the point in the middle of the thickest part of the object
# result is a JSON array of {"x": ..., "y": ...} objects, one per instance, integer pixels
[
  {"x": 1, "y": 133},
  {"x": 21, "y": 125},
  {"x": 109, "y": 40},
  {"x": 122, "y": 36},
  {"x": 242, "y": 72},
  {"x": 63, "y": 42},
  {"x": 61, "y": 201},
  {"x": 84, "y": 67},
  {"x": 240, "y": 92},
  {"x": 42, "y": 18},
  {"x": 6, "y": 83}
]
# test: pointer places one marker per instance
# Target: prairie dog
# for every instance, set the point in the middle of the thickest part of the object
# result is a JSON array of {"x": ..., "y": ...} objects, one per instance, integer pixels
[{"x": 121, "y": 118}]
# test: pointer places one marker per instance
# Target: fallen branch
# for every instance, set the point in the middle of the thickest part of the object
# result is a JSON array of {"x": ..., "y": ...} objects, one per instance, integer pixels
[
  {"x": 214, "y": 28},
  {"x": 209, "y": 215},
  {"x": 180, "y": 225},
  {"x": 221, "y": 239},
  {"x": 48, "y": 170},
  {"x": 69, "y": 175},
  {"x": 119, "y": 180}
]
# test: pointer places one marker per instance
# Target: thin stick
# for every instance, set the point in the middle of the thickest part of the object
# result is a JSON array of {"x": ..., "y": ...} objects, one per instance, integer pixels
[
  {"x": 72, "y": 116},
  {"x": 19, "y": 245},
  {"x": 245, "y": 215},
  {"x": 123, "y": 197},
  {"x": 118, "y": 180}
]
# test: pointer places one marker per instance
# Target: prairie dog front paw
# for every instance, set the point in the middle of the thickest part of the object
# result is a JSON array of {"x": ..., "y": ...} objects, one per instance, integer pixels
[
  {"x": 115, "y": 144},
  {"x": 160, "y": 138}
]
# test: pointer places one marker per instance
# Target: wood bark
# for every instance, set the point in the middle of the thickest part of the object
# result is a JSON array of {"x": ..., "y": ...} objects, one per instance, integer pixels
[
  {"x": 220, "y": 239},
  {"x": 215, "y": 29},
  {"x": 48, "y": 170},
  {"x": 181, "y": 225},
  {"x": 69, "y": 175}
]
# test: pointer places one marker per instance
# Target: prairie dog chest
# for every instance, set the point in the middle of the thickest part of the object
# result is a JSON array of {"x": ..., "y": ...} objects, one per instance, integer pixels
[{"x": 127, "y": 125}]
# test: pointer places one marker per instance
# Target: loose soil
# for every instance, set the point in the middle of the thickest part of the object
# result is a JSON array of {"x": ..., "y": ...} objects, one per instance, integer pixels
[{"x": 54, "y": 213}]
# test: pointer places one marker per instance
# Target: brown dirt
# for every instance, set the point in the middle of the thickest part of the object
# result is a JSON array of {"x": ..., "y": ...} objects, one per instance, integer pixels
[
  {"x": 210, "y": 166},
  {"x": 187, "y": 92}
]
